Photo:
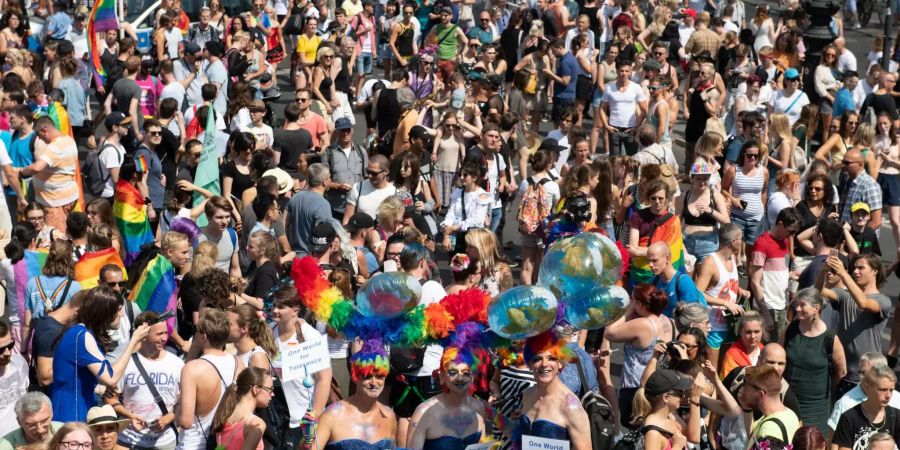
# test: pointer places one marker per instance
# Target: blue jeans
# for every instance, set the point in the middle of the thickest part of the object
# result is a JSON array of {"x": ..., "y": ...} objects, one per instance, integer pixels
[
  {"x": 701, "y": 244},
  {"x": 496, "y": 214},
  {"x": 364, "y": 63},
  {"x": 748, "y": 226}
]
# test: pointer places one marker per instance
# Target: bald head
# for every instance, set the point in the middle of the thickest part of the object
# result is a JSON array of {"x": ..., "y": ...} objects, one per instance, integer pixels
[
  {"x": 660, "y": 257},
  {"x": 660, "y": 249},
  {"x": 773, "y": 355},
  {"x": 853, "y": 162}
]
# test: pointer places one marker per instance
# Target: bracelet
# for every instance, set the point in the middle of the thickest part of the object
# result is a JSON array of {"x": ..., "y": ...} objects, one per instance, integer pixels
[{"x": 697, "y": 403}]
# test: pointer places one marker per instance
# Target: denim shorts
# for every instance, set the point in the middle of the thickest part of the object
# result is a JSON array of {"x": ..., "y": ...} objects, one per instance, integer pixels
[
  {"x": 598, "y": 97},
  {"x": 748, "y": 226},
  {"x": 364, "y": 63},
  {"x": 701, "y": 244},
  {"x": 890, "y": 188}
]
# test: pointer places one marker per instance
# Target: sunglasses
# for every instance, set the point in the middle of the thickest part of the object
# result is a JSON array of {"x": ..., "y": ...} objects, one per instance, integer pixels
[
  {"x": 374, "y": 173},
  {"x": 301, "y": 100},
  {"x": 120, "y": 284},
  {"x": 268, "y": 389},
  {"x": 752, "y": 155},
  {"x": 9, "y": 347},
  {"x": 154, "y": 133}
]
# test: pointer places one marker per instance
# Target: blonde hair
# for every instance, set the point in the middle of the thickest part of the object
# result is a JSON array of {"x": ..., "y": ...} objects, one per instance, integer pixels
[
  {"x": 64, "y": 431},
  {"x": 536, "y": 29},
  {"x": 708, "y": 146},
  {"x": 267, "y": 245},
  {"x": 865, "y": 135},
  {"x": 486, "y": 243},
  {"x": 323, "y": 52},
  {"x": 205, "y": 256},
  {"x": 17, "y": 56},
  {"x": 780, "y": 126},
  {"x": 390, "y": 209},
  {"x": 171, "y": 238}
]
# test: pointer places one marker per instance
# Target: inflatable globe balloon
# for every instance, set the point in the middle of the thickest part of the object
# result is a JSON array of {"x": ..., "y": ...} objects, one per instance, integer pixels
[
  {"x": 522, "y": 312},
  {"x": 599, "y": 308},
  {"x": 388, "y": 295},
  {"x": 577, "y": 264}
]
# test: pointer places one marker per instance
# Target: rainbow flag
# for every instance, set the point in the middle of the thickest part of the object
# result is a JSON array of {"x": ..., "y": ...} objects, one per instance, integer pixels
[
  {"x": 670, "y": 233},
  {"x": 131, "y": 218},
  {"x": 156, "y": 289},
  {"x": 141, "y": 164},
  {"x": 27, "y": 268},
  {"x": 87, "y": 269},
  {"x": 60, "y": 117},
  {"x": 103, "y": 18}
]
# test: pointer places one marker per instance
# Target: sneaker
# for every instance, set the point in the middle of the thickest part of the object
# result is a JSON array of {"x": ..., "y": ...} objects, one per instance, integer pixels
[{"x": 856, "y": 26}]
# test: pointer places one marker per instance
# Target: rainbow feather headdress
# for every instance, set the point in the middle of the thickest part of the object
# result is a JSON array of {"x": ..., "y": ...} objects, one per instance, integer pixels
[{"x": 437, "y": 323}]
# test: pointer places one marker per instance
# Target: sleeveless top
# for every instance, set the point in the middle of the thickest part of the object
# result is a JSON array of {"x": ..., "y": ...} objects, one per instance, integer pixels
[
  {"x": 542, "y": 428},
  {"x": 636, "y": 359},
  {"x": 651, "y": 117},
  {"x": 325, "y": 85},
  {"x": 725, "y": 289},
  {"x": 405, "y": 39},
  {"x": 359, "y": 444},
  {"x": 451, "y": 442},
  {"x": 749, "y": 190},
  {"x": 704, "y": 219},
  {"x": 195, "y": 437},
  {"x": 513, "y": 382},
  {"x": 342, "y": 80},
  {"x": 232, "y": 436}
]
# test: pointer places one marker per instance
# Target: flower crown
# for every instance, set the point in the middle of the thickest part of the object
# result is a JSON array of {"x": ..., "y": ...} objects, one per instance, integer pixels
[{"x": 460, "y": 262}]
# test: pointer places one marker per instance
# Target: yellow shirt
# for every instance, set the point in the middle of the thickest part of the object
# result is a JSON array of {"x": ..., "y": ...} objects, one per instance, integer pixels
[
  {"x": 55, "y": 186},
  {"x": 308, "y": 47}
]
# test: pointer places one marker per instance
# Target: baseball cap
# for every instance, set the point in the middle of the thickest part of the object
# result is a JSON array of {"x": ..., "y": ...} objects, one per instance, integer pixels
[
  {"x": 791, "y": 74},
  {"x": 652, "y": 64},
  {"x": 458, "y": 99},
  {"x": 701, "y": 168},
  {"x": 860, "y": 206},
  {"x": 689, "y": 12},
  {"x": 665, "y": 380},
  {"x": 343, "y": 123},
  {"x": 191, "y": 48},
  {"x": 359, "y": 221},
  {"x": 116, "y": 118},
  {"x": 322, "y": 236}
]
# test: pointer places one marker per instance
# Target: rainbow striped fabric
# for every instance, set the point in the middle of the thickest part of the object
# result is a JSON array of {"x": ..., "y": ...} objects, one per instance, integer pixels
[
  {"x": 156, "y": 289},
  {"x": 102, "y": 18},
  {"x": 141, "y": 164},
  {"x": 87, "y": 269},
  {"x": 60, "y": 117},
  {"x": 27, "y": 268},
  {"x": 670, "y": 233},
  {"x": 131, "y": 219}
]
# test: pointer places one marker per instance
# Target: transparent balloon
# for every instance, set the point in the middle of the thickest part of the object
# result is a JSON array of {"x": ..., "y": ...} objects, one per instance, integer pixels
[
  {"x": 600, "y": 307},
  {"x": 578, "y": 264},
  {"x": 522, "y": 312},
  {"x": 388, "y": 295}
]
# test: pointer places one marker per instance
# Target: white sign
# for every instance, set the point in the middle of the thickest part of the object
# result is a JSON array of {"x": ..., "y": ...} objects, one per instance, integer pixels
[
  {"x": 539, "y": 443},
  {"x": 305, "y": 359}
]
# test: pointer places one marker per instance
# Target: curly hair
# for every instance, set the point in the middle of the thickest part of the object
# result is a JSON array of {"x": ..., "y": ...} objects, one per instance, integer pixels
[{"x": 215, "y": 288}]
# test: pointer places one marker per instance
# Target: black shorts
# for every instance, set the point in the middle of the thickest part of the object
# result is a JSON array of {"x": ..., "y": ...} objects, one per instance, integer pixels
[{"x": 407, "y": 396}]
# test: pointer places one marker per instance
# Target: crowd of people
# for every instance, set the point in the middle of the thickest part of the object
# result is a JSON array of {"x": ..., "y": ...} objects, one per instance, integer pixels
[{"x": 158, "y": 198}]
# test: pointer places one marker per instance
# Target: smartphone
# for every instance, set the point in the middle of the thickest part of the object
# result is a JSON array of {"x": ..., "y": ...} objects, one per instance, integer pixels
[
  {"x": 833, "y": 252},
  {"x": 163, "y": 317},
  {"x": 743, "y": 204}
]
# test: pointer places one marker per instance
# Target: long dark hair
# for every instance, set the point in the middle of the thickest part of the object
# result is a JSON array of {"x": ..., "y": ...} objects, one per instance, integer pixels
[
  {"x": 98, "y": 312},
  {"x": 410, "y": 182},
  {"x": 23, "y": 235},
  {"x": 603, "y": 192}
]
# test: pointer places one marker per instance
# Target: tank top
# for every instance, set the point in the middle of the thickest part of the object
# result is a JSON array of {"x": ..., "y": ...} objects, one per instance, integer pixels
[
  {"x": 195, "y": 437},
  {"x": 636, "y": 359},
  {"x": 651, "y": 117},
  {"x": 342, "y": 80},
  {"x": 749, "y": 190},
  {"x": 609, "y": 75},
  {"x": 405, "y": 40},
  {"x": 232, "y": 436},
  {"x": 704, "y": 219},
  {"x": 447, "y": 41},
  {"x": 325, "y": 85},
  {"x": 725, "y": 289}
]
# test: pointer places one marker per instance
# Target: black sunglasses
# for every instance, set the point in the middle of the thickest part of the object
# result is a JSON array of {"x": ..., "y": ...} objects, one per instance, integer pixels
[
  {"x": 120, "y": 284},
  {"x": 9, "y": 347}
]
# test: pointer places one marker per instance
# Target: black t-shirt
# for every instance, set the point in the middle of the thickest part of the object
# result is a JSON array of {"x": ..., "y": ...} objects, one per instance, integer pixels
[
  {"x": 866, "y": 240},
  {"x": 809, "y": 275},
  {"x": 47, "y": 334},
  {"x": 114, "y": 67},
  {"x": 262, "y": 279},
  {"x": 240, "y": 181},
  {"x": 166, "y": 151},
  {"x": 291, "y": 144},
  {"x": 854, "y": 430},
  {"x": 388, "y": 111},
  {"x": 190, "y": 303},
  {"x": 881, "y": 103}
]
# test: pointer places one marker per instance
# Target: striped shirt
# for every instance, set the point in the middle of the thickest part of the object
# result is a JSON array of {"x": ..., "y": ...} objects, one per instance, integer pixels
[
  {"x": 749, "y": 190},
  {"x": 55, "y": 186}
]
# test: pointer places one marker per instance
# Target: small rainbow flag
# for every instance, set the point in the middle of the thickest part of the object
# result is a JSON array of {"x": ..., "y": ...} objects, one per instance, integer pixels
[
  {"x": 156, "y": 289},
  {"x": 102, "y": 18},
  {"x": 27, "y": 268},
  {"x": 60, "y": 117},
  {"x": 131, "y": 219},
  {"x": 141, "y": 164},
  {"x": 87, "y": 269}
]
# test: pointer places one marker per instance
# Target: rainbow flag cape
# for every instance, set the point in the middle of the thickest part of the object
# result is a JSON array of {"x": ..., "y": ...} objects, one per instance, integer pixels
[
  {"x": 102, "y": 18},
  {"x": 131, "y": 219},
  {"x": 27, "y": 268},
  {"x": 670, "y": 233},
  {"x": 208, "y": 168},
  {"x": 87, "y": 269},
  {"x": 156, "y": 289}
]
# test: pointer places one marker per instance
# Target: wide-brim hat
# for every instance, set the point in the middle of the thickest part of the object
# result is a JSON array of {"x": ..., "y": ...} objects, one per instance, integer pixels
[{"x": 104, "y": 415}]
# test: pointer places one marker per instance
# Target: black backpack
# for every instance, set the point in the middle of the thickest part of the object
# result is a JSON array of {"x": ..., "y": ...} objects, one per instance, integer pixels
[
  {"x": 92, "y": 171},
  {"x": 600, "y": 413}
]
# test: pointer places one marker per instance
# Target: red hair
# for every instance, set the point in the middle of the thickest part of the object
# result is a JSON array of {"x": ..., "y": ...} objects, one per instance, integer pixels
[{"x": 652, "y": 298}]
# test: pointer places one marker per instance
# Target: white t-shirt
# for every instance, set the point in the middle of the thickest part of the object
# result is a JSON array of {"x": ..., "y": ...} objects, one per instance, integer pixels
[
  {"x": 7, "y": 274},
  {"x": 298, "y": 397},
  {"x": 684, "y": 33},
  {"x": 846, "y": 61},
  {"x": 79, "y": 41},
  {"x": 136, "y": 397},
  {"x": 13, "y": 385},
  {"x": 371, "y": 198},
  {"x": 623, "y": 104},
  {"x": 782, "y": 104},
  {"x": 262, "y": 133},
  {"x": 432, "y": 292},
  {"x": 494, "y": 169},
  {"x": 111, "y": 157},
  {"x": 173, "y": 90},
  {"x": 122, "y": 335}
]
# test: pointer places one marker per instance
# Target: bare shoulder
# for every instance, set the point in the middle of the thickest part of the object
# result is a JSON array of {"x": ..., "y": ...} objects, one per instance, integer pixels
[
  {"x": 387, "y": 412},
  {"x": 425, "y": 407}
]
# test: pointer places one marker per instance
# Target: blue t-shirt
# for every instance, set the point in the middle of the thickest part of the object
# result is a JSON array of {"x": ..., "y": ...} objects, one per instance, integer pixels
[
  {"x": 680, "y": 289},
  {"x": 568, "y": 67},
  {"x": 19, "y": 149},
  {"x": 843, "y": 102},
  {"x": 483, "y": 36},
  {"x": 59, "y": 25}
]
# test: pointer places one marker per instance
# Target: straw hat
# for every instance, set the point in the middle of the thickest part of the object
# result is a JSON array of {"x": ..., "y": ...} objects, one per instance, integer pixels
[{"x": 103, "y": 415}]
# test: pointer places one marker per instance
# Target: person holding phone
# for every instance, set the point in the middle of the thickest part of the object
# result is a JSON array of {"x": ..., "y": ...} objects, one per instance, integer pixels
[{"x": 744, "y": 186}]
